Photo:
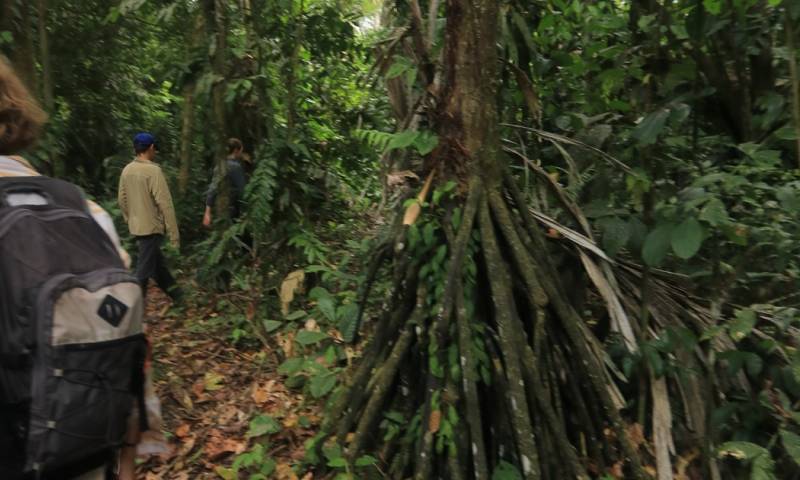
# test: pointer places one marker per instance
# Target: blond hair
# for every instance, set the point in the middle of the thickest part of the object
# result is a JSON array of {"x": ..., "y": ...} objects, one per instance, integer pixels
[{"x": 21, "y": 117}]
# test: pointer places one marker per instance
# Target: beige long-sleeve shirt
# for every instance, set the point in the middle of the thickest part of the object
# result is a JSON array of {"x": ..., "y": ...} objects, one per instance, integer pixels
[{"x": 145, "y": 200}]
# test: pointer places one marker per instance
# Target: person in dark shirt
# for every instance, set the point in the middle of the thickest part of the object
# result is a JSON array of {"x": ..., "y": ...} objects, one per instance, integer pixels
[{"x": 236, "y": 178}]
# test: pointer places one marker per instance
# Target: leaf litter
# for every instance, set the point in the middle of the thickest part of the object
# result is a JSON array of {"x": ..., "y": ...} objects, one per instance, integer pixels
[{"x": 212, "y": 391}]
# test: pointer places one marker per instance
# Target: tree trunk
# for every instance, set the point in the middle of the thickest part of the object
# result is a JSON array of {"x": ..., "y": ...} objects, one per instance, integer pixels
[
  {"x": 193, "y": 39},
  {"x": 263, "y": 87},
  {"x": 216, "y": 20},
  {"x": 291, "y": 73},
  {"x": 794, "y": 78},
  {"x": 477, "y": 364},
  {"x": 44, "y": 58},
  {"x": 23, "y": 54},
  {"x": 187, "y": 120},
  {"x": 47, "y": 88}
]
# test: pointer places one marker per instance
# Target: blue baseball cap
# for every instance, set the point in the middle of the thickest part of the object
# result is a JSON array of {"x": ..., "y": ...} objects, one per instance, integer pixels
[{"x": 143, "y": 140}]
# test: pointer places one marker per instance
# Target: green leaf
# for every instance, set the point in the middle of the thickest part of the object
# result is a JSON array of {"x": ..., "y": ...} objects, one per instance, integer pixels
[
  {"x": 327, "y": 306},
  {"x": 321, "y": 385},
  {"x": 754, "y": 364},
  {"x": 786, "y": 133},
  {"x": 654, "y": 359},
  {"x": 789, "y": 199},
  {"x": 366, "y": 461},
  {"x": 296, "y": 315},
  {"x": 648, "y": 130},
  {"x": 400, "y": 66},
  {"x": 791, "y": 442},
  {"x": 263, "y": 425},
  {"x": 686, "y": 238},
  {"x": 656, "y": 245},
  {"x": 271, "y": 325},
  {"x": 741, "y": 450},
  {"x": 714, "y": 213},
  {"x": 307, "y": 337},
  {"x": 506, "y": 471},
  {"x": 713, "y": 7},
  {"x": 616, "y": 233},
  {"x": 426, "y": 142},
  {"x": 337, "y": 462},
  {"x": 291, "y": 366},
  {"x": 402, "y": 140},
  {"x": 743, "y": 324},
  {"x": 225, "y": 473},
  {"x": 348, "y": 315}
]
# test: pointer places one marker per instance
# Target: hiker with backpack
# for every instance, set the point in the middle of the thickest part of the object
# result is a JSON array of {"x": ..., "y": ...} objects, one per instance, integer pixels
[
  {"x": 72, "y": 351},
  {"x": 146, "y": 205},
  {"x": 236, "y": 177}
]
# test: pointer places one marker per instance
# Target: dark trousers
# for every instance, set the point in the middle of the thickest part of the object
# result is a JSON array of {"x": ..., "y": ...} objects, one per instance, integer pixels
[{"x": 152, "y": 264}]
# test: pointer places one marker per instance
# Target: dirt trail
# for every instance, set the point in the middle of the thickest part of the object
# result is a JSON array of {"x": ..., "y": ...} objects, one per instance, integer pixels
[{"x": 210, "y": 391}]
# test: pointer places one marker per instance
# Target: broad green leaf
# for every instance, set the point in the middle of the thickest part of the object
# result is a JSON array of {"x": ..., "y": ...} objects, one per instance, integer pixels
[
  {"x": 686, "y": 238},
  {"x": 318, "y": 292},
  {"x": 366, "y": 461},
  {"x": 321, "y": 385},
  {"x": 754, "y": 364},
  {"x": 327, "y": 306},
  {"x": 226, "y": 473},
  {"x": 789, "y": 198},
  {"x": 271, "y": 325},
  {"x": 656, "y": 245},
  {"x": 307, "y": 337},
  {"x": 791, "y": 442},
  {"x": 332, "y": 451},
  {"x": 426, "y": 142},
  {"x": 348, "y": 315},
  {"x": 714, "y": 213},
  {"x": 263, "y": 425},
  {"x": 337, "y": 462},
  {"x": 291, "y": 366},
  {"x": 506, "y": 471},
  {"x": 648, "y": 130},
  {"x": 400, "y": 66},
  {"x": 296, "y": 315},
  {"x": 741, "y": 450},
  {"x": 402, "y": 139},
  {"x": 743, "y": 324},
  {"x": 713, "y": 6},
  {"x": 616, "y": 233},
  {"x": 654, "y": 359},
  {"x": 786, "y": 133}
]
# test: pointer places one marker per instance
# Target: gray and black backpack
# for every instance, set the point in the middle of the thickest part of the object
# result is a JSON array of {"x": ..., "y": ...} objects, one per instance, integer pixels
[{"x": 72, "y": 349}]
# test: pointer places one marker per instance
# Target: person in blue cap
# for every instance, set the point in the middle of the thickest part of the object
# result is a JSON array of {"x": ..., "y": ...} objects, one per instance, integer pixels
[{"x": 146, "y": 205}]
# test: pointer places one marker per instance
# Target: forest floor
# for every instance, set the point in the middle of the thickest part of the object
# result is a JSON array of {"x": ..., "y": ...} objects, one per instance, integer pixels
[{"x": 211, "y": 390}]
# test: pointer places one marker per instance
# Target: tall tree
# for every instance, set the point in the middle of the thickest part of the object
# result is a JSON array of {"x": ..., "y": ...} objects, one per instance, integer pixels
[
  {"x": 217, "y": 23},
  {"x": 443, "y": 325}
]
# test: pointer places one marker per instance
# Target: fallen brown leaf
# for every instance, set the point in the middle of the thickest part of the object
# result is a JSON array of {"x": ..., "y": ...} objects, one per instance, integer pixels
[
  {"x": 217, "y": 445},
  {"x": 261, "y": 393},
  {"x": 183, "y": 430},
  {"x": 284, "y": 472}
]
